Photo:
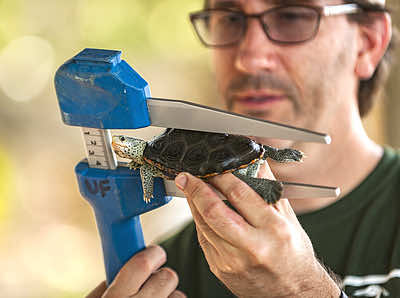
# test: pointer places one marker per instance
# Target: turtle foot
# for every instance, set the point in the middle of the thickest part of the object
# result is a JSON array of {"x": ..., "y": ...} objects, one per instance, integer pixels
[
  {"x": 274, "y": 194},
  {"x": 147, "y": 199},
  {"x": 269, "y": 190}
]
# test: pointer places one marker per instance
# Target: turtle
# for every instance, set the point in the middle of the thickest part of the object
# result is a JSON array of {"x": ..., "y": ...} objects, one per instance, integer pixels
[{"x": 203, "y": 154}]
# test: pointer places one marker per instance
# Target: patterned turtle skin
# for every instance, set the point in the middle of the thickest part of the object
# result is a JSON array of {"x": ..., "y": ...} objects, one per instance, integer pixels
[{"x": 203, "y": 154}]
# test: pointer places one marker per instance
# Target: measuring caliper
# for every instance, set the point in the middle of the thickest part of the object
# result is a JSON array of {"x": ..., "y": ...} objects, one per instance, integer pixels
[{"x": 98, "y": 91}]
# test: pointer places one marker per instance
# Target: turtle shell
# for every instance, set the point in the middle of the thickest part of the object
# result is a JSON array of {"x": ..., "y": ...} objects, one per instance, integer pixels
[{"x": 202, "y": 154}]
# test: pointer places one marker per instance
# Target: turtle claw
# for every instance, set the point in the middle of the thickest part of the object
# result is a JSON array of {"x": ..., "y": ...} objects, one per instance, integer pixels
[{"x": 147, "y": 199}]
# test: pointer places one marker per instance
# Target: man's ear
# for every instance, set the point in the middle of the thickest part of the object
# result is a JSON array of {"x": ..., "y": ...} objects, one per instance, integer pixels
[{"x": 375, "y": 37}]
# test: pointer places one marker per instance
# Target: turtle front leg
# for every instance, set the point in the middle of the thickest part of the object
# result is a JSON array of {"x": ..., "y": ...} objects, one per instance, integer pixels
[
  {"x": 269, "y": 190},
  {"x": 282, "y": 155},
  {"x": 147, "y": 174},
  {"x": 133, "y": 165}
]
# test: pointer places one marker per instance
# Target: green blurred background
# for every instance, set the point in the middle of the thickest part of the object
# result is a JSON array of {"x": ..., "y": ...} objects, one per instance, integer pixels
[{"x": 49, "y": 245}]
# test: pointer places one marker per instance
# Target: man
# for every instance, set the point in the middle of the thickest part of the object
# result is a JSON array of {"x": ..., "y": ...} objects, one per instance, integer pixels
[{"x": 311, "y": 64}]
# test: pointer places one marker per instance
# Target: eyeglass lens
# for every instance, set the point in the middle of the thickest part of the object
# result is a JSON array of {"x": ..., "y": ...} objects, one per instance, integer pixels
[{"x": 289, "y": 24}]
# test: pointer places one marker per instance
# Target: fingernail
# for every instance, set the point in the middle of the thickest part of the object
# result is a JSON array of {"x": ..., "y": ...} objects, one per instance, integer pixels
[{"x": 181, "y": 181}]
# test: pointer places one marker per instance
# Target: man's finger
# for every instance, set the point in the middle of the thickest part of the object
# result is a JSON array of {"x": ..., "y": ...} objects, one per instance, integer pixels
[
  {"x": 177, "y": 294},
  {"x": 216, "y": 254},
  {"x": 225, "y": 222},
  {"x": 136, "y": 271},
  {"x": 244, "y": 199},
  {"x": 202, "y": 228},
  {"x": 161, "y": 283},
  {"x": 210, "y": 242}
]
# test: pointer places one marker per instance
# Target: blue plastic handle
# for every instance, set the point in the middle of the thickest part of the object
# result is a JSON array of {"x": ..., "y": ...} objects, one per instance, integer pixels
[
  {"x": 96, "y": 89},
  {"x": 117, "y": 199}
]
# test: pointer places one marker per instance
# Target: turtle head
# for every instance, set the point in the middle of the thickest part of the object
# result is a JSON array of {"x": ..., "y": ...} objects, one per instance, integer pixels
[{"x": 128, "y": 147}]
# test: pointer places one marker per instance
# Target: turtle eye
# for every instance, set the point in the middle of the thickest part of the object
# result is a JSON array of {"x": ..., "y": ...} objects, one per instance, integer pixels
[{"x": 122, "y": 138}]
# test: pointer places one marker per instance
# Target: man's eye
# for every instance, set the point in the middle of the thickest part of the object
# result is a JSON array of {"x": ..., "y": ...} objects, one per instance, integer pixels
[
  {"x": 290, "y": 16},
  {"x": 229, "y": 19},
  {"x": 295, "y": 16},
  {"x": 233, "y": 18}
]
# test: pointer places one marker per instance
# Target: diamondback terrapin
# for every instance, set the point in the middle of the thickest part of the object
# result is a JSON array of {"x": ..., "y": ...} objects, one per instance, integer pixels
[{"x": 203, "y": 154}]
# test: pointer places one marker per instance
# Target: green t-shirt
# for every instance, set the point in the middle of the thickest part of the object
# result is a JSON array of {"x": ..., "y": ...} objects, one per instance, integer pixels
[{"x": 358, "y": 237}]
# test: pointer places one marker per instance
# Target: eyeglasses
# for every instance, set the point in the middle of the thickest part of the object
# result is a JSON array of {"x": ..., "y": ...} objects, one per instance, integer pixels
[{"x": 284, "y": 24}]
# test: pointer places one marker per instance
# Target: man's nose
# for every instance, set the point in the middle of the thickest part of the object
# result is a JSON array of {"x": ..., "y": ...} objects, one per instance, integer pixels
[{"x": 256, "y": 52}]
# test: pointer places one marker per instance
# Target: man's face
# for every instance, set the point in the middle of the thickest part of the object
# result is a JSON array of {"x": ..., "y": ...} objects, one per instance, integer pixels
[{"x": 310, "y": 85}]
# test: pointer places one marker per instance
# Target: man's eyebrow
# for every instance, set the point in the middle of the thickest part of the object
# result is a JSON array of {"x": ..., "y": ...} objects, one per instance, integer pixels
[
  {"x": 224, "y": 4},
  {"x": 292, "y": 2},
  {"x": 236, "y": 3}
]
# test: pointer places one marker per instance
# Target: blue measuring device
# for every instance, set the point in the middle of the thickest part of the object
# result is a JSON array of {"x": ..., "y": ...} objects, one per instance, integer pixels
[{"x": 98, "y": 92}]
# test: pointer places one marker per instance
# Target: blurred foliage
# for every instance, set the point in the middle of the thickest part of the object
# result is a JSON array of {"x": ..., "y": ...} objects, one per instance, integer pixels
[
  {"x": 7, "y": 185},
  {"x": 49, "y": 244},
  {"x": 151, "y": 27},
  {"x": 9, "y": 20}
]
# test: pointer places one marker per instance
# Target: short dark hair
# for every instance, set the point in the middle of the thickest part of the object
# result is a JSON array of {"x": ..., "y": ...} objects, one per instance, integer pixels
[{"x": 369, "y": 89}]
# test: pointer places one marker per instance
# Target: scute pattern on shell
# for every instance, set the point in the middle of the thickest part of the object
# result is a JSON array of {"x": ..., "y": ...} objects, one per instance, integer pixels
[{"x": 202, "y": 154}]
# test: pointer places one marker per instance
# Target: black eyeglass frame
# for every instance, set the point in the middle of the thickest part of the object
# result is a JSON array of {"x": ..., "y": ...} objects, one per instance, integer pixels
[{"x": 329, "y": 10}]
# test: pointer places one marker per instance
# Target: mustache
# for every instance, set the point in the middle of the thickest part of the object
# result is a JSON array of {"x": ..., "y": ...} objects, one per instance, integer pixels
[{"x": 246, "y": 82}]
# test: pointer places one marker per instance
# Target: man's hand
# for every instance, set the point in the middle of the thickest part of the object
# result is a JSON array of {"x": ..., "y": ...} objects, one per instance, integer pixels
[
  {"x": 141, "y": 277},
  {"x": 259, "y": 251}
]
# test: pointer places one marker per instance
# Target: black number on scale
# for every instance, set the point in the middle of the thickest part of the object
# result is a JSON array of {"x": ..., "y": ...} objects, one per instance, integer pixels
[{"x": 95, "y": 187}]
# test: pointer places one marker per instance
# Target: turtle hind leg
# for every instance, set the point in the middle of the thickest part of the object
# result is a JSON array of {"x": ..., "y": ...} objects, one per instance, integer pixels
[
  {"x": 282, "y": 155},
  {"x": 252, "y": 169},
  {"x": 269, "y": 190}
]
